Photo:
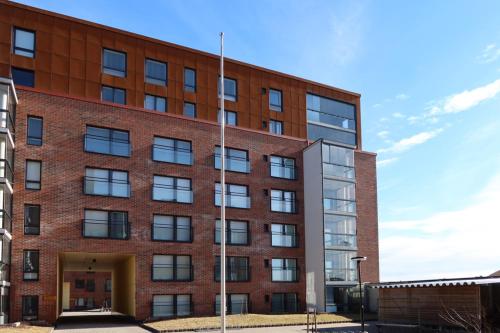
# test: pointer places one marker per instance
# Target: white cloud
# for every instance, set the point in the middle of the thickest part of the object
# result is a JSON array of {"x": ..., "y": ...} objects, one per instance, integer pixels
[
  {"x": 489, "y": 54},
  {"x": 402, "y": 97},
  {"x": 383, "y": 134},
  {"x": 465, "y": 100},
  {"x": 377, "y": 105},
  {"x": 447, "y": 244},
  {"x": 398, "y": 115},
  {"x": 407, "y": 143},
  {"x": 386, "y": 162}
]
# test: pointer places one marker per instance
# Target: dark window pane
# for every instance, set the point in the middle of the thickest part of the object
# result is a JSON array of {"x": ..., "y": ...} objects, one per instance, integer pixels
[
  {"x": 35, "y": 127},
  {"x": 30, "y": 265},
  {"x": 23, "y": 77},
  {"x": 275, "y": 100},
  {"x": 155, "y": 103},
  {"x": 30, "y": 308},
  {"x": 24, "y": 42},
  {"x": 114, "y": 63},
  {"x": 156, "y": 72},
  {"x": 189, "y": 79},
  {"x": 315, "y": 132},
  {"x": 190, "y": 110},
  {"x": 32, "y": 219},
  {"x": 113, "y": 95}
]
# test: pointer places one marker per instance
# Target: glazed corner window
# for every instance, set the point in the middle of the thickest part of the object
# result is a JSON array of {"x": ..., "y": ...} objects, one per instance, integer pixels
[
  {"x": 23, "y": 77},
  {"x": 35, "y": 131},
  {"x": 155, "y": 103},
  {"x": 33, "y": 175},
  {"x": 24, "y": 42},
  {"x": 189, "y": 80},
  {"x": 276, "y": 127},
  {"x": 156, "y": 72},
  {"x": 190, "y": 110},
  {"x": 114, "y": 63},
  {"x": 30, "y": 308},
  {"x": 230, "y": 89},
  {"x": 231, "y": 117},
  {"x": 30, "y": 264},
  {"x": 32, "y": 219},
  {"x": 113, "y": 95},
  {"x": 275, "y": 100}
]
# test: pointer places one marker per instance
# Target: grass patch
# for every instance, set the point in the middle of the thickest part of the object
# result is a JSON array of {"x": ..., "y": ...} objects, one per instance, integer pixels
[
  {"x": 25, "y": 329},
  {"x": 247, "y": 320}
]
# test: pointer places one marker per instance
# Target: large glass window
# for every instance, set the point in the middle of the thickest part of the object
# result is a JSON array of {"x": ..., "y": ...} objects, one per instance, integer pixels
[
  {"x": 339, "y": 266},
  {"x": 284, "y": 235},
  {"x": 31, "y": 264},
  {"x": 114, "y": 63},
  {"x": 283, "y": 167},
  {"x": 276, "y": 127},
  {"x": 35, "y": 131},
  {"x": 33, "y": 175},
  {"x": 284, "y": 269},
  {"x": 156, "y": 72},
  {"x": 30, "y": 308},
  {"x": 275, "y": 103},
  {"x": 284, "y": 303},
  {"x": 107, "y": 182},
  {"x": 339, "y": 196},
  {"x": 165, "y": 306},
  {"x": 23, "y": 77},
  {"x": 236, "y": 160},
  {"x": 156, "y": 103},
  {"x": 24, "y": 42},
  {"x": 189, "y": 79},
  {"x": 172, "y": 268},
  {"x": 340, "y": 231},
  {"x": 106, "y": 224},
  {"x": 237, "y": 269},
  {"x": 113, "y": 95},
  {"x": 171, "y": 228},
  {"x": 342, "y": 299},
  {"x": 190, "y": 110},
  {"x": 236, "y": 196},
  {"x": 236, "y": 232},
  {"x": 6, "y": 157},
  {"x": 338, "y": 161},
  {"x": 107, "y": 141},
  {"x": 230, "y": 89},
  {"x": 231, "y": 117},
  {"x": 31, "y": 219},
  {"x": 172, "y": 151},
  {"x": 235, "y": 304},
  {"x": 172, "y": 189},
  {"x": 283, "y": 201}
]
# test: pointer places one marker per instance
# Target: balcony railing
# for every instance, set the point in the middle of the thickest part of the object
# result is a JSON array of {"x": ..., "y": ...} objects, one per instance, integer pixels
[
  {"x": 340, "y": 240},
  {"x": 105, "y": 145},
  {"x": 338, "y": 170},
  {"x": 105, "y": 229},
  {"x": 172, "y": 193},
  {"x": 283, "y": 171},
  {"x": 169, "y": 309},
  {"x": 171, "y": 272},
  {"x": 341, "y": 274},
  {"x": 283, "y": 205},
  {"x": 339, "y": 205},
  {"x": 233, "y": 200},
  {"x": 285, "y": 274},
  {"x": 173, "y": 234},
  {"x": 233, "y": 274},
  {"x": 106, "y": 187},
  {"x": 283, "y": 240},
  {"x": 232, "y": 163},
  {"x": 171, "y": 154},
  {"x": 234, "y": 236}
]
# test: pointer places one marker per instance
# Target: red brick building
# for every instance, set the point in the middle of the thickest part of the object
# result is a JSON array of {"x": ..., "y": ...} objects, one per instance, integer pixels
[
  {"x": 87, "y": 290},
  {"x": 116, "y": 170}
]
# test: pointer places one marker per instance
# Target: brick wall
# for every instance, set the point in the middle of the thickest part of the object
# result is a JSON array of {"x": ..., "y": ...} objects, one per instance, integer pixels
[{"x": 98, "y": 295}]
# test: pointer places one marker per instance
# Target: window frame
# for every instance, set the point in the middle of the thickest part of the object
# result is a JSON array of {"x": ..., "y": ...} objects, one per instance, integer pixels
[
  {"x": 274, "y": 107},
  {"x": 109, "y": 181},
  {"x": 282, "y": 165},
  {"x": 114, "y": 89},
  {"x": 174, "y": 305},
  {"x": 226, "y": 114},
  {"x": 228, "y": 269},
  {"x": 227, "y": 151},
  {"x": 155, "y": 81},
  {"x": 175, "y": 148},
  {"x": 283, "y": 199},
  {"x": 187, "y": 87},
  {"x": 15, "y": 48},
  {"x": 108, "y": 139},
  {"x": 108, "y": 224},
  {"x": 226, "y": 96},
  {"x": 273, "y": 127},
  {"x": 284, "y": 266},
  {"x": 194, "y": 110},
  {"x": 283, "y": 233},
  {"x": 228, "y": 232},
  {"x": 156, "y": 98},
  {"x": 90, "y": 285},
  {"x": 26, "y": 181},
  {"x": 79, "y": 283},
  {"x": 18, "y": 69},
  {"x": 174, "y": 268},
  {"x": 28, "y": 137},
  {"x": 35, "y": 269},
  {"x": 27, "y": 206},
  {"x": 175, "y": 188},
  {"x": 286, "y": 295},
  {"x": 23, "y": 302},
  {"x": 227, "y": 192},
  {"x": 114, "y": 70},
  {"x": 174, "y": 227}
]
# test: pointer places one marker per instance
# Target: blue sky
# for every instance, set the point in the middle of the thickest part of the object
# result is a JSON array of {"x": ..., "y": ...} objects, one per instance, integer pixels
[{"x": 429, "y": 75}]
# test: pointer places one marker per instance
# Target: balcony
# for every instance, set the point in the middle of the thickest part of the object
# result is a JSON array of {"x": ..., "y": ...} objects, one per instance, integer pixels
[
  {"x": 279, "y": 239},
  {"x": 92, "y": 228},
  {"x": 233, "y": 200},
  {"x": 169, "y": 154},
  {"x": 106, "y": 187},
  {"x": 171, "y": 272},
  {"x": 280, "y": 274},
  {"x": 341, "y": 274},
  {"x": 340, "y": 240},
  {"x": 339, "y": 171},
  {"x": 339, "y": 205},
  {"x": 283, "y": 171},
  {"x": 105, "y": 145}
]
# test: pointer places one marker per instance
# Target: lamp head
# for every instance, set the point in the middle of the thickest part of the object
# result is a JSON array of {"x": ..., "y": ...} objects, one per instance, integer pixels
[{"x": 358, "y": 258}]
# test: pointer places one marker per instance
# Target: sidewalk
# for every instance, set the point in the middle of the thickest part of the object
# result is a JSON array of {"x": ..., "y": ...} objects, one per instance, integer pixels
[{"x": 327, "y": 328}]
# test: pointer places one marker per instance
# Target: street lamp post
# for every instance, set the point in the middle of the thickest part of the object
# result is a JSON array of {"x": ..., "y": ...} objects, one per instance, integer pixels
[{"x": 358, "y": 261}]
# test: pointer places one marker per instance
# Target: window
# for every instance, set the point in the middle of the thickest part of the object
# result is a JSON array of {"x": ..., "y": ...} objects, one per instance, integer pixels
[
  {"x": 285, "y": 270},
  {"x": 171, "y": 306},
  {"x": 31, "y": 219},
  {"x": 283, "y": 167},
  {"x": 114, "y": 63},
  {"x": 339, "y": 266},
  {"x": 236, "y": 232},
  {"x": 107, "y": 182},
  {"x": 155, "y": 103},
  {"x": 236, "y": 196},
  {"x": 106, "y": 224},
  {"x": 190, "y": 110},
  {"x": 283, "y": 235},
  {"x": 33, "y": 175},
  {"x": 107, "y": 141},
  {"x": 231, "y": 117},
  {"x": 171, "y": 228},
  {"x": 172, "y": 268},
  {"x": 230, "y": 89},
  {"x": 107, "y": 285},
  {"x": 79, "y": 284},
  {"x": 156, "y": 72},
  {"x": 23, "y": 77},
  {"x": 236, "y": 160},
  {"x": 113, "y": 95},
  {"x": 90, "y": 285},
  {"x": 339, "y": 196},
  {"x": 235, "y": 304},
  {"x": 30, "y": 308},
  {"x": 276, "y": 127},
  {"x": 340, "y": 231},
  {"x": 24, "y": 42},
  {"x": 338, "y": 161},
  {"x": 189, "y": 80},
  {"x": 283, "y": 201},
  {"x": 237, "y": 269},
  {"x": 172, "y": 151},
  {"x": 172, "y": 189},
  {"x": 35, "y": 129},
  {"x": 30, "y": 265},
  {"x": 284, "y": 303},
  {"x": 275, "y": 100}
]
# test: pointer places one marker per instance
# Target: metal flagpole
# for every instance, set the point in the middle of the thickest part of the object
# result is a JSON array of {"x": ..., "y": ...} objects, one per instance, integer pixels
[{"x": 222, "y": 194}]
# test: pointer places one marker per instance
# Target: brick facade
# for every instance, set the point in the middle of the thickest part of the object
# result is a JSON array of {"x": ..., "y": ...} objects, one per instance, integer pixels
[{"x": 98, "y": 295}]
